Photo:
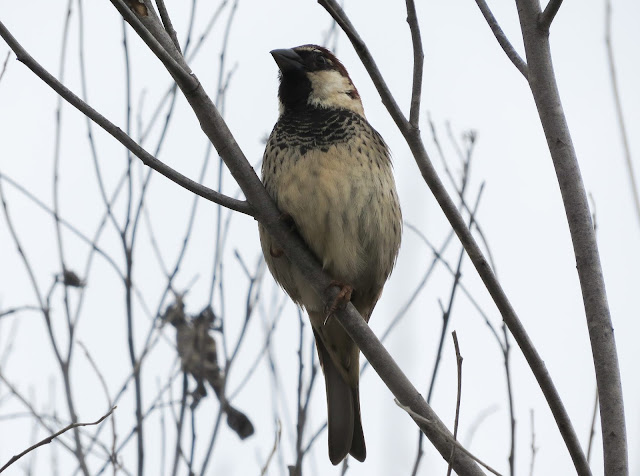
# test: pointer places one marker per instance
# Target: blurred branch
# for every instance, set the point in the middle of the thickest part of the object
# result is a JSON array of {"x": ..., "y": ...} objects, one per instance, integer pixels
[
  {"x": 105, "y": 389},
  {"x": 276, "y": 442},
  {"x": 619, "y": 115},
  {"x": 534, "y": 448},
  {"x": 13, "y": 310},
  {"x": 506, "y": 349},
  {"x": 459, "y": 393},
  {"x": 4, "y": 65},
  {"x": 592, "y": 428},
  {"x": 446, "y": 315}
]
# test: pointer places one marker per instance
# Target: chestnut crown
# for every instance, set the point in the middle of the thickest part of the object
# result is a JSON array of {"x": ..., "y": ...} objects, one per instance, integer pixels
[{"x": 312, "y": 77}]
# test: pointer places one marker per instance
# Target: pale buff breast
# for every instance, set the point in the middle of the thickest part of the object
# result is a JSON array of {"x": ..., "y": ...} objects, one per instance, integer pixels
[{"x": 344, "y": 204}]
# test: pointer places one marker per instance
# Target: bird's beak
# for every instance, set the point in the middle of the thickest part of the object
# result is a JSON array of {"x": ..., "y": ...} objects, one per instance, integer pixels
[{"x": 288, "y": 60}]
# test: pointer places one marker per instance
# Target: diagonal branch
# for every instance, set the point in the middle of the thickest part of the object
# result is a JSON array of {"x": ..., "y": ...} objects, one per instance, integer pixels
[{"x": 506, "y": 46}]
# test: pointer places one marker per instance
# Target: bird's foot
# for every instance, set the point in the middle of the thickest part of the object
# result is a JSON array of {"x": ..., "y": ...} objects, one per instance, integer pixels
[{"x": 340, "y": 301}]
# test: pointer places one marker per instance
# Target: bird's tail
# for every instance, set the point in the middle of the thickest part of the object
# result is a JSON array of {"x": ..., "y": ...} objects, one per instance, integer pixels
[{"x": 343, "y": 410}]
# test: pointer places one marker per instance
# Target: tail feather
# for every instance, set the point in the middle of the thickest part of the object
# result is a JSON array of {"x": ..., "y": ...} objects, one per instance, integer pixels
[
  {"x": 343, "y": 412},
  {"x": 358, "y": 449}
]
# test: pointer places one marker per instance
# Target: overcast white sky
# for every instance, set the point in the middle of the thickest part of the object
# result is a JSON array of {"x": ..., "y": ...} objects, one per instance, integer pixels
[{"x": 468, "y": 82}]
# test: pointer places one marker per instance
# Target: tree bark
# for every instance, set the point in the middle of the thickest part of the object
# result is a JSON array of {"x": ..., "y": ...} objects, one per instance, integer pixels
[{"x": 547, "y": 98}]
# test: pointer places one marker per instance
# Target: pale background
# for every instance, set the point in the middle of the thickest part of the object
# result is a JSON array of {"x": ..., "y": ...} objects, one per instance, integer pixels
[{"x": 469, "y": 82}]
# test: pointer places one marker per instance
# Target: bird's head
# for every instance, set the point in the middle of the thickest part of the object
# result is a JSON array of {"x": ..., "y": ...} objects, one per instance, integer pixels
[{"x": 311, "y": 76}]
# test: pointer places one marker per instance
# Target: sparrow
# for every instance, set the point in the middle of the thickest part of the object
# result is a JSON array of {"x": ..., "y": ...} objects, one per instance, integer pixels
[{"x": 330, "y": 174}]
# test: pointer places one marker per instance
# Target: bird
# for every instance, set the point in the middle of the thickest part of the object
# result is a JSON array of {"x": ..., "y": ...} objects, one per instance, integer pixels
[{"x": 330, "y": 174}]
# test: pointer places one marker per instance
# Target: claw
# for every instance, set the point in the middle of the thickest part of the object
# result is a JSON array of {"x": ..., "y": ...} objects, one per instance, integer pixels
[{"x": 341, "y": 300}]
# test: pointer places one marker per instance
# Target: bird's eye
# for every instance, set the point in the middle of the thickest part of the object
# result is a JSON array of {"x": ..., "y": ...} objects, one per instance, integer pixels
[{"x": 322, "y": 61}]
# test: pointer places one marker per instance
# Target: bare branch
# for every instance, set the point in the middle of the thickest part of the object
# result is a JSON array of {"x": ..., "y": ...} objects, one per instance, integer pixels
[
  {"x": 549, "y": 14},
  {"x": 49, "y": 439},
  {"x": 506, "y": 46},
  {"x": 544, "y": 89}
]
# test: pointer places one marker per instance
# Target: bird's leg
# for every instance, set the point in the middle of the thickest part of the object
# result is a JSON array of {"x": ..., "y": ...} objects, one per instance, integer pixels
[
  {"x": 340, "y": 301},
  {"x": 288, "y": 220}
]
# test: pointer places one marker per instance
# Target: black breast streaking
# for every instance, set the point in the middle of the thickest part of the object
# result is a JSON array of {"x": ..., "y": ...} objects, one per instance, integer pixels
[{"x": 315, "y": 128}]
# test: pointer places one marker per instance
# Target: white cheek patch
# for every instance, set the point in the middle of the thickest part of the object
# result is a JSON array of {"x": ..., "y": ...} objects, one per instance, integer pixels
[{"x": 329, "y": 89}]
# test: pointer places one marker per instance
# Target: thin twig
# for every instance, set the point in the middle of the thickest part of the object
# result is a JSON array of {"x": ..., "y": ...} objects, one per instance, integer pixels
[
  {"x": 619, "y": 114},
  {"x": 534, "y": 448},
  {"x": 50, "y": 438},
  {"x": 418, "y": 64},
  {"x": 506, "y": 352},
  {"x": 105, "y": 389},
  {"x": 4, "y": 65},
  {"x": 450, "y": 440},
  {"x": 479, "y": 419},
  {"x": 549, "y": 13},
  {"x": 301, "y": 416},
  {"x": 592, "y": 428},
  {"x": 459, "y": 396},
  {"x": 166, "y": 21},
  {"x": 13, "y": 310},
  {"x": 446, "y": 316},
  {"x": 180, "y": 423},
  {"x": 506, "y": 46},
  {"x": 276, "y": 442}
]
